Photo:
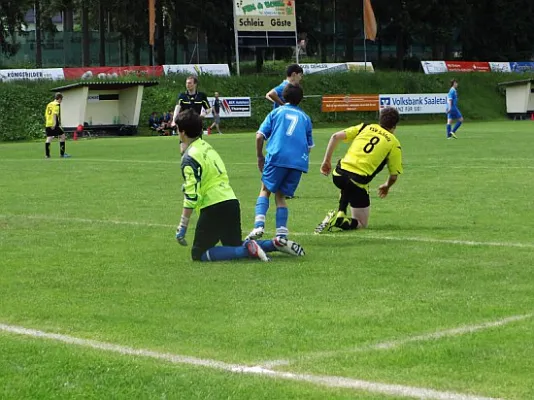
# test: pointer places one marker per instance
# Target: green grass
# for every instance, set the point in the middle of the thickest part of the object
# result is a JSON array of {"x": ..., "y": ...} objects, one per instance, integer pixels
[{"x": 87, "y": 249}]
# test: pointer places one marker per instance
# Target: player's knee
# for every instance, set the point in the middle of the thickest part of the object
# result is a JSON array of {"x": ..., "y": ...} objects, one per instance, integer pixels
[{"x": 196, "y": 253}]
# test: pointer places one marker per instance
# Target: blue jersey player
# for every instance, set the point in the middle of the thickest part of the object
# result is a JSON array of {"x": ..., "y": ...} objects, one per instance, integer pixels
[
  {"x": 453, "y": 113},
  {"x": 288, "y": 132},
  {"x": 294, "y": 74}
]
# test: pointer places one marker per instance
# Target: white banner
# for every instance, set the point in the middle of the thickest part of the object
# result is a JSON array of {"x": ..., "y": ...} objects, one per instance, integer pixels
[
  {"x": 31, "y": 74},
  {"x": 336, "y": 67},
  {"x": 197, "y": 69},
  {"x": 434, "y": 103},
  {"x": 233, "y": 107},
  {"x": 500, "y": 67},
  {"x": 434, "y": 67}
]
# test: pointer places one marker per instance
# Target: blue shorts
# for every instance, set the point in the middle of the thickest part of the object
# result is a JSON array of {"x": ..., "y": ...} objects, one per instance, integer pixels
[
  {"x": 454, "y": 114},
  {"x": 280, "y": 179}
]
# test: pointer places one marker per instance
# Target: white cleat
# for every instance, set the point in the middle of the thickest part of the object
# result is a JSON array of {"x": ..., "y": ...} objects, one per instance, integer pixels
[
  {"x": 257, "y": 233},
  {"x": 287, "y": 246},
  {"x": 326, "y": 223},
  {"x": 255, "y": 251}
]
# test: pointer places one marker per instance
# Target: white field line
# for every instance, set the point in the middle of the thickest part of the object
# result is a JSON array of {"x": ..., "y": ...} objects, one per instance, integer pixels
[
  {"x": 177, "y": 162},
  {"x": 393, "y": 344},
  {"x": 361, "y": 236},
  {"x": 329, "y": 381}
]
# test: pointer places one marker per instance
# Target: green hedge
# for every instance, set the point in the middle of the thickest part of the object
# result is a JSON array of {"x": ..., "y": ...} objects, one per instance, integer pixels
[{"x": 22, "y": 103}]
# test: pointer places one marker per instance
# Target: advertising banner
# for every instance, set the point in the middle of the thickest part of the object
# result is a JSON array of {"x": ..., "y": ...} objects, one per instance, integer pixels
[
  {"x": 7, "y": 75},
  {"x": 197, "y": 69},
  {"x": 256, "y": 15},
  {"x": 112, "y": 72},
  {"x": 467, "y": 66},
  {"x": 434, "y": 103},
  {"x": 352, "y": 102},
  {"x": 434, "y": 67},
  {"x": 522, "y": 66},
  {"x": 336, "y": 67},
  {"x": 500, "y": 67},
  {"x": 233, "y": 107}
]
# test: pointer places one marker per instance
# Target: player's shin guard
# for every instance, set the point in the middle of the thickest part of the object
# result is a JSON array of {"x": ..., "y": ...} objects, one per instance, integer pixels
[
  {"x": 282, "y": 215},
  {"x": 62, "y": 148},
  {"x": 456, "y": 127},
  {"x": 47, "y": 149},
  {"x": 224, "y": 253},
  {"x": 262, "y": 206}
]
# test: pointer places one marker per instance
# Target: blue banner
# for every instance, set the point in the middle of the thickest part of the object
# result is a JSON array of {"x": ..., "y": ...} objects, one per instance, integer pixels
[{"x": 522, "y": 66}]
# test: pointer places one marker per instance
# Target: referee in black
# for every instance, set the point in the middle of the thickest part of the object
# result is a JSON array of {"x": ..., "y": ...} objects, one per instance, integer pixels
[{"x": 191, "y": 99}]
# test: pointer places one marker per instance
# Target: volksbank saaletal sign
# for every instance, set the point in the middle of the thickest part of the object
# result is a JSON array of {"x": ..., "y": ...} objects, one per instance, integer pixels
[{"x": 255, "y": 15}]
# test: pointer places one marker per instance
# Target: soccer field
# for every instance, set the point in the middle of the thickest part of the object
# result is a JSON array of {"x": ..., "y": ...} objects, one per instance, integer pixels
[{"x": 434, "y": 301}]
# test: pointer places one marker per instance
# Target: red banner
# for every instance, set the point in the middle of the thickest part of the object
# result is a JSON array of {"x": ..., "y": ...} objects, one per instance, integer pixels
[
  {"x": 468, "y": 66},
  {"x": 112, "y": 72}
]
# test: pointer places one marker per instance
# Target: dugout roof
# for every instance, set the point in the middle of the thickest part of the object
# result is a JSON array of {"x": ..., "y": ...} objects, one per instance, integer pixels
[
  {"x": 520, "y": 82},
  {"x": 105, "y": 85}
]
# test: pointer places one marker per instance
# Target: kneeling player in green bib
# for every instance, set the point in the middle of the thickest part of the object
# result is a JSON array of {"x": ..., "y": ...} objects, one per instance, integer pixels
[{"x": 207, "y": 189}]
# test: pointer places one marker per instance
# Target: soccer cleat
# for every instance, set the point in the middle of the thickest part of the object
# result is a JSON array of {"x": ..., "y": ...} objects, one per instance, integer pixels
[
  {"x": 454, "y": 136},
  {"x": 65, "y": 156},
  {"x": 256, "y": 233},
  {"x": 327, "y": 222},
  {"x": 255, "y": 251},
  {"x": 284, "y": 245},
  {"x": 47, "y": 157}
]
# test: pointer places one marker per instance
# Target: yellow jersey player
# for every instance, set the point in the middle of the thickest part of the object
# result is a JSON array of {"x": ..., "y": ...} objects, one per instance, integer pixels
[
  {"x": 53, "y": 126},
  {"x": 372, "y": 147}
]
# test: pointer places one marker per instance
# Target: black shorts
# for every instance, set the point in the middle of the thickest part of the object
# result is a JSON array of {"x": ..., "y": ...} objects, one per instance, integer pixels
[
  {"x": 220, "y": 222},
  {"x": 53, "y": 131},
  {"x": 356, "y": 196}
]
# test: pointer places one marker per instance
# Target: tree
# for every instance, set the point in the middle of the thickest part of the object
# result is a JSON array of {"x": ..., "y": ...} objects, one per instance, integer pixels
[{"x": 11, "y": 22}]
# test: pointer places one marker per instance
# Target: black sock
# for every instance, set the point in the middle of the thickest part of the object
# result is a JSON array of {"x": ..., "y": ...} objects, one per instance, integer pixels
[
  {"x": 47, "y": 149},
  {"x": 62, "y": 148},
  {"x": 347, "y": 224}
]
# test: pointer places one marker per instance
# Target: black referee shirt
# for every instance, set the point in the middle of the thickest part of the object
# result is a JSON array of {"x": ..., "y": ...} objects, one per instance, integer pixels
[{"x": 196, "y": 101}]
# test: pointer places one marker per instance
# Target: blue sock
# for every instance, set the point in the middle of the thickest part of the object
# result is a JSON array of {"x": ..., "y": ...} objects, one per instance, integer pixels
[
  {"x": 262, "y": 205},
  {"x": 282, "y": 215},
  {"x": 456, "y": 127},
  {"x": 225, "y": 253},
  {"x": 448, "y": 130},
  {"x": 266, "y": 245}
]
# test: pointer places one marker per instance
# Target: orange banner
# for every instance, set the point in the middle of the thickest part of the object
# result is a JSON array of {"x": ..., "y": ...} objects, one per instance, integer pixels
[
  {"x": 151, "y": 21},
  {"x": 350, "y": 102}
]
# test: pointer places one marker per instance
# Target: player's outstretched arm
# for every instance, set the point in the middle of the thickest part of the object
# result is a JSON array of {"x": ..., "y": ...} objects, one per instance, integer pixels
[
  {"x": 326, "y": 166},
  {"x": 383, "y": 189},
  {"x": 175, "y": 114}
]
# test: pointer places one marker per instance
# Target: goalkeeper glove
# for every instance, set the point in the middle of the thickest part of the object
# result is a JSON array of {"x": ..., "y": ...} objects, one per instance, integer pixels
[{"x": 181, "y": 230}]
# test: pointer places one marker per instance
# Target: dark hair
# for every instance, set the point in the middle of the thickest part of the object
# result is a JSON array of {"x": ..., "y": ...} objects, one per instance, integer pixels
[
  {"x": 293, "y": 94},
  {"x": 389, "y": 118},
  {"x": 58, "y": 96},
  {"x": 453, "y": 81},
  {"x": 190, "y": 123},
  {"x": 294, "y": 68},
  {"x": 195, "y": 79}
]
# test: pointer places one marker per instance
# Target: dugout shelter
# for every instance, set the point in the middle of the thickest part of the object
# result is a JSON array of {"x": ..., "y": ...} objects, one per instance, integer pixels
[
  {"x": 103, "y": 107},
  {"x": 519, "y": 97}
]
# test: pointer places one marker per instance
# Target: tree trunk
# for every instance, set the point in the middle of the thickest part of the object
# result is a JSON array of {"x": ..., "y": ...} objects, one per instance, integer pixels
[
  {"x": 102, "y": 32},
  {"x": 38, "y": 38},
  {"x": 160, "y": 35},
  {"x": 401, "y": 49},
  {"x": 137, "y": 51},
  {"x": 68, "y": 20},
  {"x": 259, "y": 59},
  {"x": 86, "y": 39},
  {"x": 322, "y": 43}
]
